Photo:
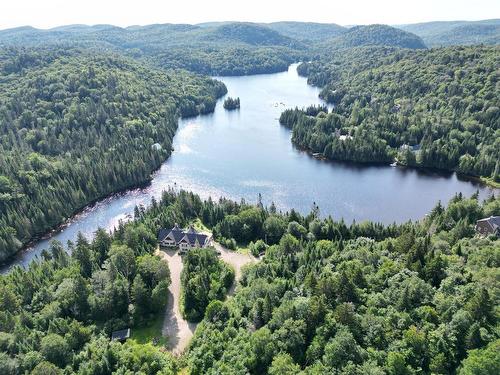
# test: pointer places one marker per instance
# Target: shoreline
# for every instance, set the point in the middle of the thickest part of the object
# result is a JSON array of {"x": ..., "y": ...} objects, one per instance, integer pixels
[
  {"x": 58, "y": 228},
  {"x": 484, "y": 181}
]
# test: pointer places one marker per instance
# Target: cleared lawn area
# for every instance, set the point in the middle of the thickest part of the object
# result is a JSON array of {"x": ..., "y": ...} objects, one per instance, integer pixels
[
  {"x": 243, "y": 249},
  {"x": 150, "y": 332},
  {"x": 199, "y": 226}
]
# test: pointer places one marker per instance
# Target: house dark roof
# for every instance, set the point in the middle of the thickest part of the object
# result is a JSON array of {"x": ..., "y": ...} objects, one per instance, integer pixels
[
  {"x": 191, "y": 235},
  {"x": 491, "y": 224},
  {"x": 121, "y": 335},
  {"x": 162, "y": 234},
  {"x": 176, "y": 232}
]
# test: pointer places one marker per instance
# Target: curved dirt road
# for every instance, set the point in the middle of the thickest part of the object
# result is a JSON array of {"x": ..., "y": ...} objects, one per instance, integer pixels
[{"x": 178, "y": 330}]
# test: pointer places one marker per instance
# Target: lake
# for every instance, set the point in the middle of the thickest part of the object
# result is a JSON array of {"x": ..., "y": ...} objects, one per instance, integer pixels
[{"x": 239, "y": 154}]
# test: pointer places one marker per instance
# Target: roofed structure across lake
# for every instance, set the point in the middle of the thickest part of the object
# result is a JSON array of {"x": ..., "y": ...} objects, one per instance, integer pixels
[
  {"x": 183, "y": 239},
  {"x": 489, "y": 225}
]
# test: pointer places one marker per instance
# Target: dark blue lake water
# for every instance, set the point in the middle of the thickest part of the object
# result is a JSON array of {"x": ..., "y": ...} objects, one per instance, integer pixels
[{"x": 240, "y": 154}]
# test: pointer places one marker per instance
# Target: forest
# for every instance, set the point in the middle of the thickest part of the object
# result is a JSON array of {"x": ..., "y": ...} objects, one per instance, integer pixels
[
  {"x": 241, "y": 48},
  {"x": 446, "y": 33},
  {"x": 228, "y": 49},
  {"x": 76, "y": 126},
  {"x": 205, "y": 278},
  {"x": 94, "y": 112},
  {"x": 326, "y": 298},
  {"x": 436, "y": 108}
]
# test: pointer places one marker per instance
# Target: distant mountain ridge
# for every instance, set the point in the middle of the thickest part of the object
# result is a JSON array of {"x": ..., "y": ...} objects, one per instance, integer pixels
[
  {"x": 433, "y": 34},
  {"x": 446, "y": 33},
  {"x": 240, "y": 48},
  {"x": 377, "y": 35},
  {"x": 249, "y": 33}
]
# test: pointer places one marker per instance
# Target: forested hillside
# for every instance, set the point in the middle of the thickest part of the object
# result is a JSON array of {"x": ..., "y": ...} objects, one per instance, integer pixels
[
  {"x": 77, "y": 126},
  {"x": 327, "y": 297},
  {"x": 447, "y": 33},
  {"x": 436, "y": 108},
  {"x": 60, "y": 312},
  {"x": 333, "y": 299},
  {"x": 220, "y": 49},
  {"x": 225, "y": 48},
  {"x": 375, "y": 35}
]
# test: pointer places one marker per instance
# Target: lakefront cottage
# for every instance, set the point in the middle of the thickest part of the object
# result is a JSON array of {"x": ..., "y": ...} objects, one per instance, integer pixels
[{"x": 183, "y": 239}]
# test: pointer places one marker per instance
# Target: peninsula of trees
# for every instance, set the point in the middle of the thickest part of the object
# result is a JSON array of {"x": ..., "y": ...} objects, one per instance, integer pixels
[{"x": 436, "y": 108}]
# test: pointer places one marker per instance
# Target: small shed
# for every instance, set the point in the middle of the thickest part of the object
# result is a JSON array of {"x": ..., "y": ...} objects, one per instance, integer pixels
[{"x": 121, "y": 335}]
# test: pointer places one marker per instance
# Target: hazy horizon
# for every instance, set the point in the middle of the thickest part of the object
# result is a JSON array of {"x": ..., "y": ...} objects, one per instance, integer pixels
[
  {"x": 233, "y": 21},
  {"x": 55, "y": 13}
]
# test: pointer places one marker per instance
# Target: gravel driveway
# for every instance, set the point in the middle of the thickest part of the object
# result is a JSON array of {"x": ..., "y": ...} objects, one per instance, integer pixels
[{"x": 178, "y": 330}]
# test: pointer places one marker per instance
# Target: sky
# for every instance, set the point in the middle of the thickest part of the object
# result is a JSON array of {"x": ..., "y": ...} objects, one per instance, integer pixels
[{"x": 51, "y": 13}]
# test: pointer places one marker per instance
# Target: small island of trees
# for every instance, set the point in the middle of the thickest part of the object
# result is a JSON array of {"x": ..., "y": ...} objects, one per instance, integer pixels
[{"x": 231, "y": 104}]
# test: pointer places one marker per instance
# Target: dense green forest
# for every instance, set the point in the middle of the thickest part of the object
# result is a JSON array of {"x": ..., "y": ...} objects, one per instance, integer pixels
[
  {"x": 365, "y": 299},
  {"x": 436, "y": 108},
  {"x": 240, "y": 48},
  {"x": 375, "y": 35},
  {"x": 59, "y": 313},
  {"x": 309, "y": 32},
  {"x": 447, "y": 33},
  {"x": 77, "y": 126},
  {"x": 204, "y": 278},
  {"x": 326, "y": 298},
  {"x": 226, "y": 48},
  {"x": 236, "y": 48}
]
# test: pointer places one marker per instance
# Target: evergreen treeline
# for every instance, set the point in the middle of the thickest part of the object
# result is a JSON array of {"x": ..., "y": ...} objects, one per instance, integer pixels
[
  {"x": 75, "y": 127},
  {"x": 57, "y": 316},
  {"x": 232, "y": 103},
  {"x": 237, "y": 48},
  {"x": 327, "y": 297},
  {"x": 227, "y": 48},
  {"x": 436, "y": 108},
  {"x": 332, "y": 299},
  {"x": 204, "y": 278},
  {"x": 446, "y": 33},
  {"x": 375, "y": 35}
]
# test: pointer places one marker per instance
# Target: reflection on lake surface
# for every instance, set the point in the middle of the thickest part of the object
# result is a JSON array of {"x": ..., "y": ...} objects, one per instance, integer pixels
[{"x": 239, "y": 154}]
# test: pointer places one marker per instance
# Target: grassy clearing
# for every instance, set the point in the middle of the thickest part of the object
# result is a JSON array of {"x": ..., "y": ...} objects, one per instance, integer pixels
[
  {"x": 242, "y": 249},
  {"x": 150, "y": 332},
  {"x": 199, "y": 226}
]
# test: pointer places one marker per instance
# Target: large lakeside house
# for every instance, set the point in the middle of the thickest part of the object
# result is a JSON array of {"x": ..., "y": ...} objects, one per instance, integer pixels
[
  {"x": 489, "y": 225},
  {"x": 183, "y": 239}
]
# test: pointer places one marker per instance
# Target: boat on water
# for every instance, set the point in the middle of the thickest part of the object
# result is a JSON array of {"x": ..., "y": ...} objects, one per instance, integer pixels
[{"x": 319, "y": 155}]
